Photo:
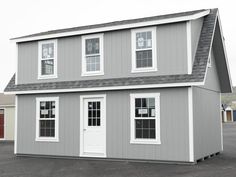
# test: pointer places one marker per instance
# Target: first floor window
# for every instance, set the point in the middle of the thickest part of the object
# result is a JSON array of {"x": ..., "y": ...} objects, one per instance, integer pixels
[
  {"x": 47, "y": 53},
  {"x": 145, "y": 119},
  {"x": 47, "y": 118}
]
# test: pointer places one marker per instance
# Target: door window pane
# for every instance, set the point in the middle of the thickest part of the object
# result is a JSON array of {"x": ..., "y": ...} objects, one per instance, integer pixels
[{"x": 94, "y": 113}]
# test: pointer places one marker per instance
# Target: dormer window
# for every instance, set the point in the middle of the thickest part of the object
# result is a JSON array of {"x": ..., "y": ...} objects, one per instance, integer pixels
[
  {"x": 144, "y": 50},
  {"x": 47, "y": 59},
  {"x": 92, "y": 55}
]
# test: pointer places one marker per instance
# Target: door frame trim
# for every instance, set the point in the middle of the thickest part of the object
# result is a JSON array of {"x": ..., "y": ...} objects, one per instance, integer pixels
[{"x": 82, "y": 98}]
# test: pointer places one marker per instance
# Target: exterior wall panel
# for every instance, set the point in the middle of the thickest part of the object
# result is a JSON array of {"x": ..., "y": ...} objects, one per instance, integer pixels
[
  {"x": 10, "y": 123},
  {"x": 196, "y": 27},
  {"x": 207, "y": 122},
  {"x": 171, "y": 56},
  {"x": 212, "y": 78},
  {"x": 174, "y": 126}
]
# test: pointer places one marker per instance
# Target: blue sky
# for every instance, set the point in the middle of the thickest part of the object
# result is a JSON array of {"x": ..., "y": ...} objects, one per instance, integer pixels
[{"x": 31, "y": 16}]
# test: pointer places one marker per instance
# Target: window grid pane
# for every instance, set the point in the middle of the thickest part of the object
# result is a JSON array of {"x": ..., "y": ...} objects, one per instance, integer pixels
[
  {"x": 47, "y": 67},
  {"x": 145, "y": 127},
  {"x": 47, "y": 119},
  {"x": 47, "y": 58},
  {"x": 94, "y": 113},
  {"x": 143, "y": 58},
  {"x": 93, "y": 63},
  {"x": 143, "y": 49},
  {"x": 48, "y": 50}
]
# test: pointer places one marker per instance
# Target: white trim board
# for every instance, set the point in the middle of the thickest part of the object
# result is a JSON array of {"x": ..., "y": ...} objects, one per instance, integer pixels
[
  {"x": 189, "y": 47},
  {"x": 117, "y": 27},
  {"x": 107, "y": 88},
  {"x": 190, "y": 121},
  {"x": 16, "y": 119}
]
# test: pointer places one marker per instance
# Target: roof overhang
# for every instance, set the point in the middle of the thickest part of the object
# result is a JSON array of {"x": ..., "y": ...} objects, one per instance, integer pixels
[
  {"x": 116, "y": 27},
  {"x": 111, "y": 88}
]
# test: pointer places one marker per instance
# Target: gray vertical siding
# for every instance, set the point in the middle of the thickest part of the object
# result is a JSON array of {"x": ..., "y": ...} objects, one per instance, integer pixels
[
  {"x": 196, "y": 27},
  {"x": 171, "y": 55},
  {"x": 212, "y": 79},
  {"x": 207, "y": 122},
  {"x": 174, "y": 126}
]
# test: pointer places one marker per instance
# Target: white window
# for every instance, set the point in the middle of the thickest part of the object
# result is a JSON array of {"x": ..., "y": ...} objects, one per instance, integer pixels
[
  {"x": 92, "y": 55},
  {"x": 145, "y": 118},
  {"x": 47, "y": 59},
  {"x": 144, "y": 50},
  {"x": 47, "y": 117}
]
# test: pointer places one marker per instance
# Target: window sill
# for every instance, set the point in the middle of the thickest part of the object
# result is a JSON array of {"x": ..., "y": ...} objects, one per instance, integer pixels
[
  {"x": 47, "y": 77},
  {"x": 145, "y": 142},
  {"x": 47, "y": 140},
  {"x": 92, "y": 74},
  {"x": 142, "y": 70}
]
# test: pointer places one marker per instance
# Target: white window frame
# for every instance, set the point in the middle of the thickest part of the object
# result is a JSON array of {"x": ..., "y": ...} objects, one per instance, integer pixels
[
  {"x": 48, "y": 139},
  {"x": 84, "y": 68},
  {"x": 40, "y": 75},
  {"x": 134, "y": 140},
  {"x": 154, "y": 55}
]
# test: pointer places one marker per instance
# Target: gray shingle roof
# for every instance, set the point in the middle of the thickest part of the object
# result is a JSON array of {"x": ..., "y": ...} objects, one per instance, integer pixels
[
  {"x": 116, "y": 23},
  {"x": 198, "y": 70}
]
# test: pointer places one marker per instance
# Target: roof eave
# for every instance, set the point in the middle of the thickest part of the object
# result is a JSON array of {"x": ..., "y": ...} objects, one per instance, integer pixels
[
  {"x": 129, "y": 87},
  {"x": 117, "y": 27}
]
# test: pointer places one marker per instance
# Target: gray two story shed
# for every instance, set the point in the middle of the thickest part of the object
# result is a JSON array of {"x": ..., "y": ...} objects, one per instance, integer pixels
[{"x": 143, "y": 89}]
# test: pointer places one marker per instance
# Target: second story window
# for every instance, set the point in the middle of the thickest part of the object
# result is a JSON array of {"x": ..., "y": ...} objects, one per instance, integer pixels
[
  {"x": 47, "y": 61},
  {"x": 92, "y": 55},
  {"x": 144, "y": 50}
]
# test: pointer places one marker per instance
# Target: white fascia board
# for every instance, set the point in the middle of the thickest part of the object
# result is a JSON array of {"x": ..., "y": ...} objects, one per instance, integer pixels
[
  {"x": 117, "y": 27},
  {"x": 7, "y": 105},
  {"x": 107, "y": 88}
]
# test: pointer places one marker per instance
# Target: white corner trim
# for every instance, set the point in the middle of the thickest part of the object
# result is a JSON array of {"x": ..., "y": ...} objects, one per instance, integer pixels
[
  {"x": 47, "y": 139},
  {"x": 81, "y": 150},
  {"x": 221, "y": 129},
  {"x": 133, "y": 140},
  {"x": 190, "y": 115},
  {"x": 189, "y": 47},
  {"x": 107, "y": 88},
  {"x": 101, "y": 47},
  {"x": 16, "y": 124},
  {"x": 134, "y": 69},
  {"x": 16, "y": 59},
  {"x": 117, "y": 27},
  {"x": 54, "y": 75}
]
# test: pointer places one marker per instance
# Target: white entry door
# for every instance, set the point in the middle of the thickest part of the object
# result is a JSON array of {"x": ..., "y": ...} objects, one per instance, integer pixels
[{"x": 93, "y": 129}]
